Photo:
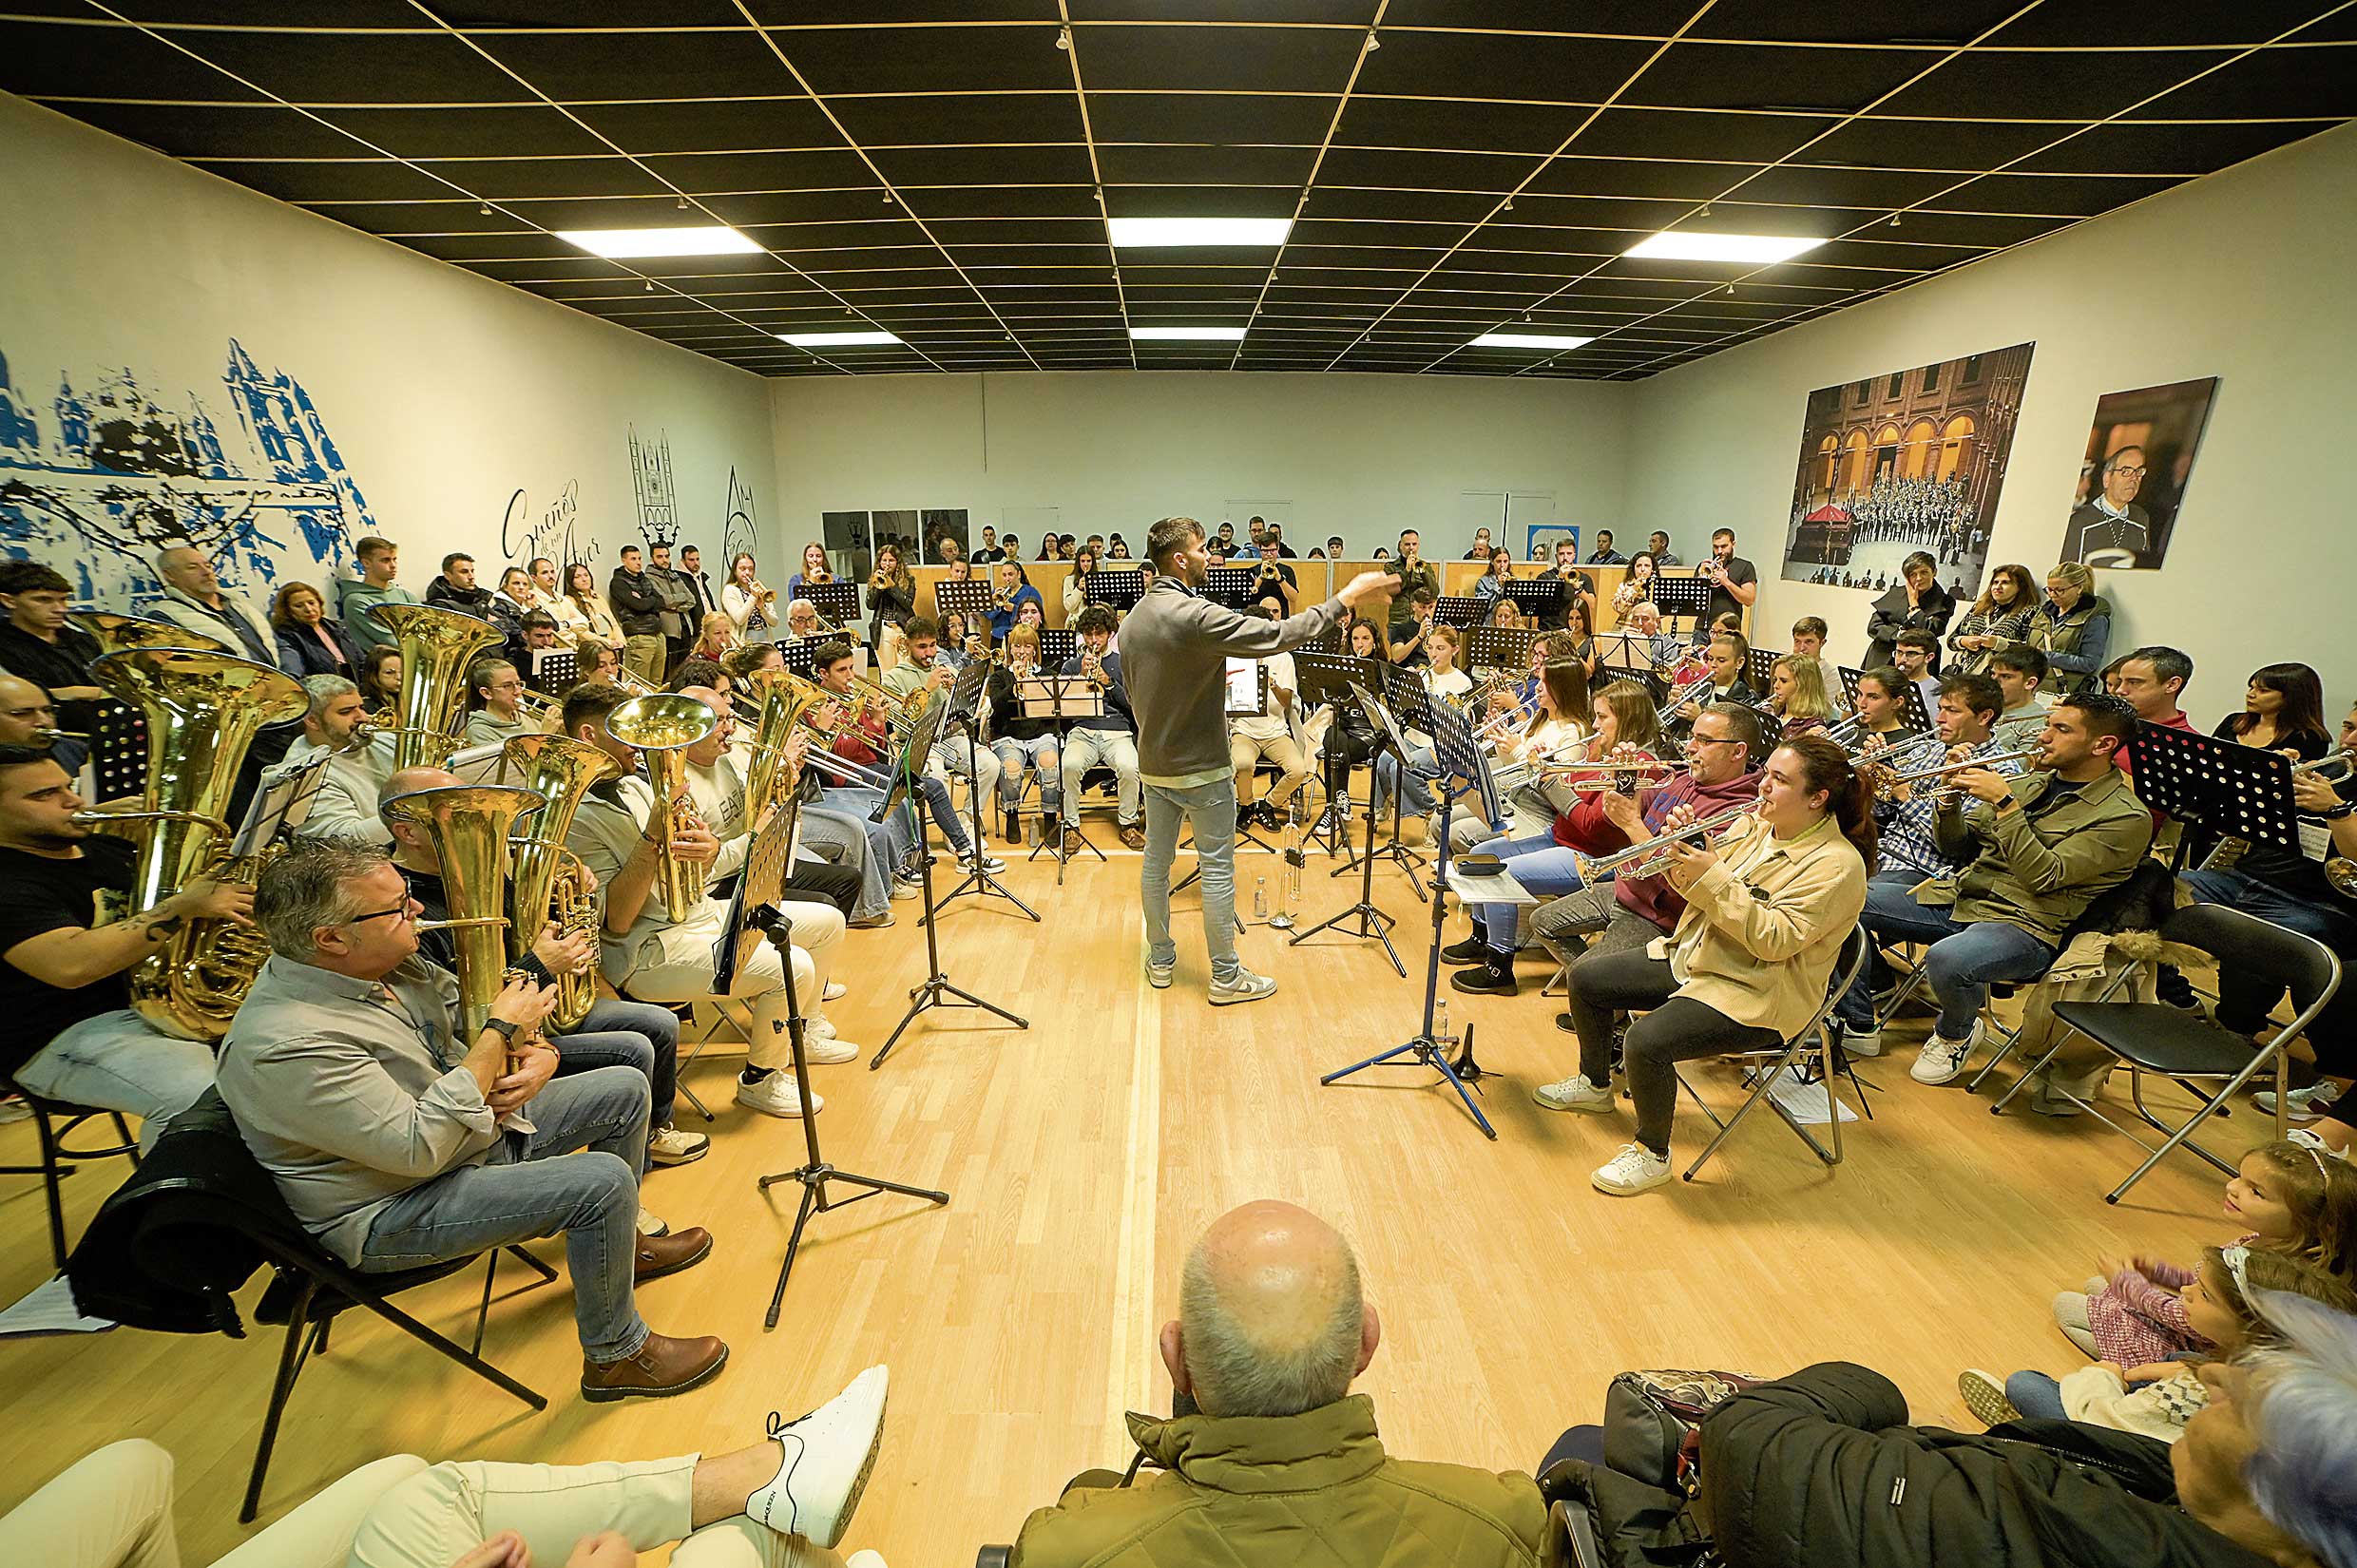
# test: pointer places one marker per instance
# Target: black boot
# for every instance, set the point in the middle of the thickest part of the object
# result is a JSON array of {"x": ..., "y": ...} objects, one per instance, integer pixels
[
  {"x": 1494, "y": 978},
  {"x": 1013, "y": 826},
  {"x": 1473, "y": 949}
]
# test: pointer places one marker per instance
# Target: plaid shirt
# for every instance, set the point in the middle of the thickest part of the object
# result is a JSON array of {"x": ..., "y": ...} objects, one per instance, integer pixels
[{"x": 1908, "y": 838}]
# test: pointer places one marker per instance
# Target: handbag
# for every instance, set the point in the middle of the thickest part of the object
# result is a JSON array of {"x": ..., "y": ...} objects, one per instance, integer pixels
[{"x": 1653, "y": 1424}]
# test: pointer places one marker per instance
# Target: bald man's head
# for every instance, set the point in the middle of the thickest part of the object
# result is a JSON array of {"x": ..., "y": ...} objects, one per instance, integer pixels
[
  {"x": 1271, "y": 1322},
  {"x": 412, "y": 845},
  {"x": 26, "y": 713}
]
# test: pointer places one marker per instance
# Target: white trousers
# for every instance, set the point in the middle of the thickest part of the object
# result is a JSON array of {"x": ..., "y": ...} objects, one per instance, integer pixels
[{"x": 675, "y": 964}]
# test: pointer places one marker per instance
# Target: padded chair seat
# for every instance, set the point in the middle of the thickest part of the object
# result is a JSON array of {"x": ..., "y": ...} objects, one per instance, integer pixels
[{"x": 2158, "y": 1038}]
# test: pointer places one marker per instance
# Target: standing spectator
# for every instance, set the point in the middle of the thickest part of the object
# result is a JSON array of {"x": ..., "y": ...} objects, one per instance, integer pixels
[
  {"x": 308, "y": 642},
  {"x": 1604, "y": 555},
  {"x": 380, "y": 562},
  {"x": 1918, "y": 603},
  {"x": 2073, "y": 628},
  {"x": 1999, "y": 616},
  {"x": 1483, "y": 549},
  {"x": 678, "y": 605},
  {"x": 692, "y": 573},
  {"x": 39, "y": 643},
  {"x": 639, "y": 605},
  {"x": 1659, "y": 543}
]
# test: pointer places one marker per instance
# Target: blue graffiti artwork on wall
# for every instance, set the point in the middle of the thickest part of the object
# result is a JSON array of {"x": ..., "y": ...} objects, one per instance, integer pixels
[{"x": 106, "y": 475}]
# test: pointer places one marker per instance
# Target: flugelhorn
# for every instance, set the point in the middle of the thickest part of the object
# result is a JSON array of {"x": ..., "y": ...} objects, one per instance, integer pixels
[
  {"x": 659, "y": 729},
  {"x": 468, "y": 824},
  {"x": 436, "y": 646},
  {"x": 545, "y": 881}
]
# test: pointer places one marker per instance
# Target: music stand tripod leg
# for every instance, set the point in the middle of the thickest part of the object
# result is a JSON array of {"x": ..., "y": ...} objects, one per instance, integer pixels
[
  {"x": 813, "y": 1173},
  {"x": 936, "y": 983},
  {"x": 1371, "y": 921},
  {"x": 978, "y": 880}
]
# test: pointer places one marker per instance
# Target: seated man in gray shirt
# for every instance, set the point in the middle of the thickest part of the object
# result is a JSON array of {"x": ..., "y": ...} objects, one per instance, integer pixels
[
  {"x": 358, "y": 762},
  {"x": 398, "y": 1142}
]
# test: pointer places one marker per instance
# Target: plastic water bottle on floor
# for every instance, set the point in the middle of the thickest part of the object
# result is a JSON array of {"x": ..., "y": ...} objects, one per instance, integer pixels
[
  {"x": 1261, "y": 899},
  {"x": 1440, "y": 1022}
]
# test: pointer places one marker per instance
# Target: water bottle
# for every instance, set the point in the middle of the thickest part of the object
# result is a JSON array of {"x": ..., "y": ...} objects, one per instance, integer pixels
[
  {"x": 1261, "y": 899},
  {"x": 1440, "y": 1022}
]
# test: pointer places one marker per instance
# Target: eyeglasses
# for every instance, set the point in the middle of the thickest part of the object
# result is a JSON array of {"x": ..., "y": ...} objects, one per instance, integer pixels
[
  {"x": 399, "y": 911},
  {"x": 1710, "y": 740},
  {"x": 2132, "y": 473}
]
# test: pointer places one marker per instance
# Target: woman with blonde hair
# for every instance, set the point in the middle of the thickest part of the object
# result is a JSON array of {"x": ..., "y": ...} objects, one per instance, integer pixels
[
  {"x": 1798, "y": 697},
  {"x": 751, "y": 604}
]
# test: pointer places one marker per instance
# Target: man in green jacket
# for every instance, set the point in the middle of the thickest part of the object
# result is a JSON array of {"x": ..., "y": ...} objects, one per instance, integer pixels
[
  {"x": 1281, "y": 1465},
  {"x": 356, "y": 596}
]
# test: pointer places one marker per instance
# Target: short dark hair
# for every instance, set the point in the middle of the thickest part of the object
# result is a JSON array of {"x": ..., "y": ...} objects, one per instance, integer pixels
[
  {"x": 534, "y": 620},
  {"x": 1810, "y": 626},
  {"x": 1887, "y": 676},
  {"x": 374, "y": 545},
  {"x": 684, "y": 548},
  {"x": 589, "y": 702},
  {"x": 32, "y": 577},
  {"x": 1915, "y": 637},
  {"x": 917, "y": 627},
  {"x": 2106, "y": 715},
  {"x": 1749, "y": 727},
  {"x": 21, "y": 756},
  {"x": 696, "y": 672},
  {"x": 1603, "y": 533},
  {"x": 630, "y": 549},
  {"x": 1167, "y": 537},
  {"x": 1722, "y": 533},
  {"x": 2023, "y": 659},
  {"x": 827, "y": 655},
  {"x": 454, "y": 557},
  {"x": 1097, "y": 618},
  {"x": 2167, "y": 664},
  {"x": 1423, "y": 595},
  {"x": 1980, "y": 694}
]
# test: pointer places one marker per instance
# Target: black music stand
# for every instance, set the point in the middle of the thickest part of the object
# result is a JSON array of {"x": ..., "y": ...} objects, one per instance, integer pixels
[
  {"x": 1230, "y": 586},
  {"x": 1760, "y": 671},
  {"x": 1912, "y": 713},
  {"x": 802, "y": 656},
  {"x": 118, "y": 751},
  {"x": 2230, "y": 789},
  {"x": 1542, "y": 599},
  {"x": 1453, "y": 611},
  {"x": 1406, "y": 705},
  {"x": 1505, "y": 648},
  {"x": 555, "y": 671},
  {"x": 970, "y": 599},
  {"x": 1623, "y": 654},
  {"x": 1371, "y": 921},
  {"x": 937, "y": 985},
  {"x": 1059, "y": 646},
  {"x": 837, "y": 602},
  {"x": 1056, "y": 689},
  {"x": 1326, "y": 677},
  {"x": 1686, "y": 596},
  {"x": 963, "y": 714},
  {"x": 1117, "y": 588},
  {"x": 1462, "y": 768}
]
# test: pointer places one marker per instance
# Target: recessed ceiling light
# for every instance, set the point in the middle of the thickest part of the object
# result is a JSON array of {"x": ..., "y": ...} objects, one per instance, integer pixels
[
  {"x": 1527, "y": 341},
  {"x": 1130, "y": 232},
  {"x": 1187, "y": 334},
  {"x": 702, "y": 239},
  {"x": 1722, "y": 247},
  {"x": 835, "y": 339}
]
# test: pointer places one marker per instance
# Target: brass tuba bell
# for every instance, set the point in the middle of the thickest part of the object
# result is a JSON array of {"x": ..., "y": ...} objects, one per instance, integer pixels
[
  {"x": 468, "y": 825},
  {"x": 436, "y": 646},
  {"x": 661, "y": 728},
  {"x": 543, "y": 885}
]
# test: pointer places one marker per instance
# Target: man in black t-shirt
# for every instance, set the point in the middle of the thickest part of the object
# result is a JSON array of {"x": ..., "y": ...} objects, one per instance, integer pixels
[
  {"x": 37, "y": 642},
  {"x": 1735, "y": 583},
  {"x": 64, "y": 976}
]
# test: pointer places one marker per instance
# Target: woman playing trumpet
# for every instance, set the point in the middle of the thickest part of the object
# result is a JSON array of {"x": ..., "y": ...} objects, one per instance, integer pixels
[
  {"x": 1768, "y": 908},
  {"x": 750, "y": 608},
  {"x": 815, "y": 568}
]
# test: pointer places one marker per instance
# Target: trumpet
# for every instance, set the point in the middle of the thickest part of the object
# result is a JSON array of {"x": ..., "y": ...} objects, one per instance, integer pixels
[
  {"x": 1650, "y": 856},
  {"x": 1889, "y": 783},
  {"x": 1603, "y": 775},
  {"x": 2339, "y": 757},
  {"x": 1695, "y": 693}
]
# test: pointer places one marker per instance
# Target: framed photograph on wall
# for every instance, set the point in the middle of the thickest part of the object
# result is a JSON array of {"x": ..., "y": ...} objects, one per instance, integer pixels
[{"x": 2132, "y": 479}]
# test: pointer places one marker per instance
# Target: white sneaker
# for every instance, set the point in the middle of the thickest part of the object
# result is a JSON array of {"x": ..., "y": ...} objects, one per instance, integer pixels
[
  {"x": 1246, "y": 987},
  {"x": 2301, "y": 1104},
  {"x": 823, "y": 1046},
  {"x": 1158, "y": 975},
  {"x": 971, "y": 861},
  {"x": 1942, "y": 1059},
  {"x": 650, "y": 1225},
  {"x": 2306, "y": 1139},
  {"x": 776, "y": 1094},
  {"x": 907, "y": 889},
  {"x": 835, "y": 991},
  {"x": 675, "y": 1146},
  {"x": 867, "y": 1556},
  {"x": 823, "y": 1464},
  {"x": 1634, "y": 1170},
  {"x": 1863, "y": 1042},
  {"x": 1574, "y": 1093}
]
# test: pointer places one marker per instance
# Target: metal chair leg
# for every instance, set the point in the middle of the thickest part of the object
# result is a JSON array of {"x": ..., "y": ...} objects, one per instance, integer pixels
[{"x": 290, "y": 1351}]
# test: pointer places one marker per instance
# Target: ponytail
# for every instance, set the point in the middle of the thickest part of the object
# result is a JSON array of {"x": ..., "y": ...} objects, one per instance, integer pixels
[{"x": 1850, "y": 797}]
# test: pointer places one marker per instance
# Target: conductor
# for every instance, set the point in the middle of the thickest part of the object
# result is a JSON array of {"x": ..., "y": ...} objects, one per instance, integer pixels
[{"x": 1174, "y": 648}]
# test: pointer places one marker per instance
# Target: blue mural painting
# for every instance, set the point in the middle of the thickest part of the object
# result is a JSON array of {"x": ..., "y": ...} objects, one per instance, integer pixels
[{"x": 106, "y": 474}]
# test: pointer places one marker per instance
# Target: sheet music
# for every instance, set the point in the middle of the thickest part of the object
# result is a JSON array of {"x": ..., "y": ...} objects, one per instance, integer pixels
[{"x": 283, "y": 801}]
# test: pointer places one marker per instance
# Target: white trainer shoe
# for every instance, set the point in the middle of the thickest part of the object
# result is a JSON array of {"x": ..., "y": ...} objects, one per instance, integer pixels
[
  {"x": 867, "y": 1556},
  {"x": 1634, "y": 1170},
  {"x": 1574, "y": 1093},
  {"x": 820, "y": 1044},
  {"x": 650, "y": 1225},
  {"x": 1942, "y": 1059},
  {"x": 675, "y": 1146},
  {"x": 1863, "y": 1042},
  {"x": 1159, "y": 975},
  {"x": 776, "y": 1094},
  {"x": 823, "y": 1464},
  {"x": 2301, "y": 1104},
  {"x": 835, "y": 991},
  {"x": 1246, "y": 987}
]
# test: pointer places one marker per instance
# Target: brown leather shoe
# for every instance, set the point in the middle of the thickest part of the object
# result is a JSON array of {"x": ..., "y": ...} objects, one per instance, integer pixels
[
  {"x": 664, "y": 1365},
  {"x": 670, "y": 1254},
  {"x": 1133, "y": 836}
]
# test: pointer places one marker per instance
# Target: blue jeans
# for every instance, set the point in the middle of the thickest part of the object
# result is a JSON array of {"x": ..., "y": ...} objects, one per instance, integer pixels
[
  {"x": 115, "y": 1062},
  {"x": 2036, "y": 1395},
  {"x": 576, "y": 1173},
  {"x": 1960, "y": 963},
  {"x": 890, "y": 840},
  {"x": 841, "y": 839},
  {"x": 1211, "y": 809},
  {"x": 627, "y": 1034},
  {"x": 1043, "y": 756},
  {"x": 2246, "y": 999},
  {"x": 1416, "y": 793},
  {"x": 1539, "y": 863}
]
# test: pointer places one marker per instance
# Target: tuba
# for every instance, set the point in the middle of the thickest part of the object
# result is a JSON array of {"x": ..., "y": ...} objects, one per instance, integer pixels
[
  {"x": 661, "y": 728},
  {"x": 785, "y": 696},
  {"x": 545, "y": 885},
  {"x": 203, "y": 712},
  {"x": 468, "y": 824},
  {"x": 436, "y": 646},
  {"x": 117, "y": 631}
]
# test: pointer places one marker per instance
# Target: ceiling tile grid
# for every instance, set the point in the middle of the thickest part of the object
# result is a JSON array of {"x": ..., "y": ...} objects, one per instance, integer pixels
[{"x": 945, "y": 172}]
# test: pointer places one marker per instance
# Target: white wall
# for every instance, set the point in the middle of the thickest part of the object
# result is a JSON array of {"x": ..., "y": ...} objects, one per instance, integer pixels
[
  {"x": 1359, "y": 455},
  {"x": 2244, "y": 276},
  {"x": 444, "y": 393}
]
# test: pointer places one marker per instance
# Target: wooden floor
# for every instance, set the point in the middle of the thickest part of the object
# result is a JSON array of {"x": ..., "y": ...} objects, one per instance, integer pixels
[{"x": 1083, "y": 1156}]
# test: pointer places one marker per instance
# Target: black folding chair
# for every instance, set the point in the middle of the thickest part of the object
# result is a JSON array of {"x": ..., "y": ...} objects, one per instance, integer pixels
[
  {"x": 54, "y": 1121},
  {"x": 1821, "y": 1038},
  {"x": 2154, "y": 1037}
]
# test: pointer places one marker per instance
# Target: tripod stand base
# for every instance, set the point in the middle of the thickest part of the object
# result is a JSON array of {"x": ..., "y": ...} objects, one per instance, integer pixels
[
  {"x": 818, "y": 1200},
  {"x": 1372, "y": 921},
  {"x": 1425, "y": 1052},
  {"x": 931, "y": 994}
]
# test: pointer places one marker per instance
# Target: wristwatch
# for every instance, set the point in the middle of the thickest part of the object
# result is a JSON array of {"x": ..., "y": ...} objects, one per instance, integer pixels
[{"x": 506, "y": 1030}]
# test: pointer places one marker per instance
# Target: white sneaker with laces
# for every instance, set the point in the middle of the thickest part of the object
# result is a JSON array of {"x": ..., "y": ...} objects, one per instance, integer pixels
[
  {"x": 823, "y": 1046},
  {"x": 675, "y": 1146},
  {"x": 1634, "y": 1170},
  {"x": 1863, "y": 1042},
  {"x": 1942, "y": 1059},
  {"x": 823, "y": 1464},
  {"x": 776, "y": 1094},
  {"x": 971, "y": 861},
  {"x": 1246, "y": 987},
  {"x": 835, "y": 991},
  {"x": 1158, "y": 975},
  {"x": 1574, "y": 1093},
  {"x": 907, "y": 889},
  {"x": 2301, "y": 1104}
]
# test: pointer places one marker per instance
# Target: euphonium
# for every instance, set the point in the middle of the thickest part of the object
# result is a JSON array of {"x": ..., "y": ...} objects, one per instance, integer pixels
[
  {"x": 436, "y": 646},
  {"x": 659, "y": 729},
  {"x": 784, "y": 699},
  {"x": 203, "y": 712},
  {"x": 468, "y": 825},
  {"x": 545, "y": 885}
]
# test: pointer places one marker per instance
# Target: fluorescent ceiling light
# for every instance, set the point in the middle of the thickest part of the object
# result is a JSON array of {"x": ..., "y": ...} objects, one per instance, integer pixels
[
  {"x": 1130, "y": 232},
  {"x": 1527, "y": 340},
  {"x": 1187, "y": 334},
  {"x": 702, "y": 239},
  {"x": 1722, "y": 247},
  {"x": 835, "y": 339}
]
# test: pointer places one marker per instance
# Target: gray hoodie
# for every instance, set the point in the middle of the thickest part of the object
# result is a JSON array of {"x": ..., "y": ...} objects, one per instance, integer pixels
[{"x": 1175, "y": 649}]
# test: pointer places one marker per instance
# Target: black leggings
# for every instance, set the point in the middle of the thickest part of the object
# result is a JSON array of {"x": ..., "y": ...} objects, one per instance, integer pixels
[{"x": 1677, "y": 1029}]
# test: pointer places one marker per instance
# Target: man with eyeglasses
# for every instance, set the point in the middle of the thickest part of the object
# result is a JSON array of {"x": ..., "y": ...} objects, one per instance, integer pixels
[
  {"x": 400, "y": 1139},
  {"x": 65, "y": 976},
  {"x": 2109, "y": 528},
  {"x": 501, "y": 718}
]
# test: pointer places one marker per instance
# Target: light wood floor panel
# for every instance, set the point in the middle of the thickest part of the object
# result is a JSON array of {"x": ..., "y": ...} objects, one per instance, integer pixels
[{"x": 1085, "y": 1155}]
